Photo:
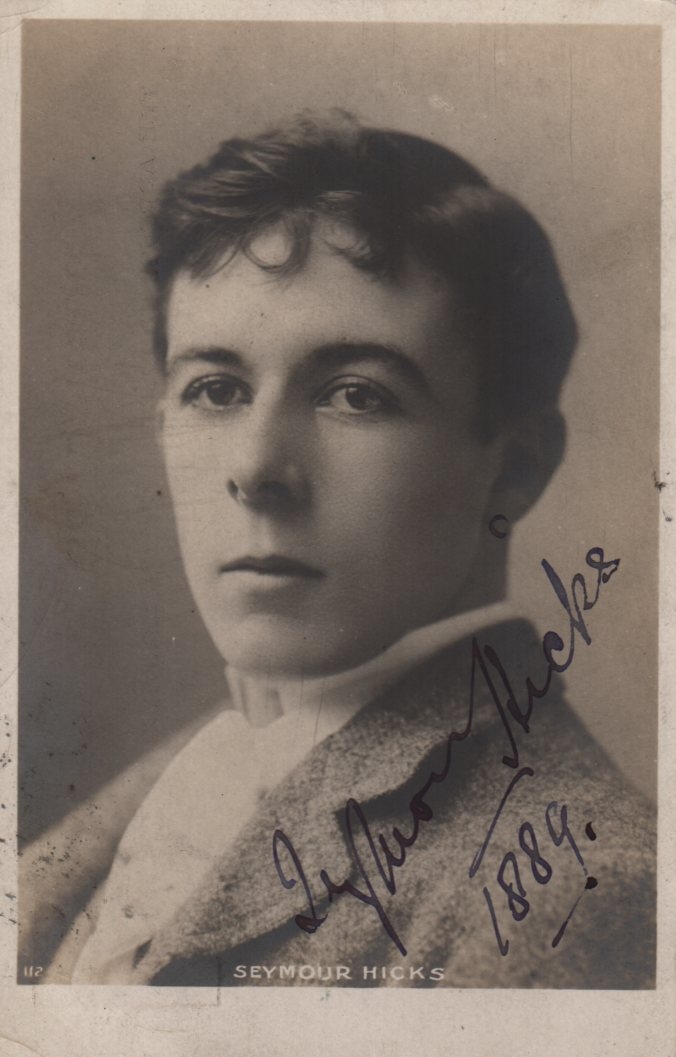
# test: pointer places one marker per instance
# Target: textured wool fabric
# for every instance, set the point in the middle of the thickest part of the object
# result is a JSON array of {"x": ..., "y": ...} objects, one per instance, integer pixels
[{"x": 239, "y": 927}]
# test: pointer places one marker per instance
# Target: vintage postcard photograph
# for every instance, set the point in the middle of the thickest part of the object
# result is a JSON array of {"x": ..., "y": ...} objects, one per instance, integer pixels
[{"x": 343, "y": 519}]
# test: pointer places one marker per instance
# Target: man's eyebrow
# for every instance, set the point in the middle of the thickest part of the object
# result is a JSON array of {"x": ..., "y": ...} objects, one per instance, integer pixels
[
  {"x": 332, "y": 356},
  {"x": 341, "y": 354},
  {"x": 210, "y": 354}
]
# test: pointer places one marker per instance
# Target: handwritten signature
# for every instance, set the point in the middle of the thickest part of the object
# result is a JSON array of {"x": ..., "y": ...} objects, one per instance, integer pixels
[{"x": 389, "y": 853}]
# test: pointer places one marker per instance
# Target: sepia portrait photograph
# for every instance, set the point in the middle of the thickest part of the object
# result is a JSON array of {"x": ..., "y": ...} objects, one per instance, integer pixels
[{"x": 339, "y": 510}]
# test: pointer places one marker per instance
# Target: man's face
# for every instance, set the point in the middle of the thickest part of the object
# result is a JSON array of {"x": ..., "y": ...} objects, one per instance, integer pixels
[{"x": 318, "y": 430}]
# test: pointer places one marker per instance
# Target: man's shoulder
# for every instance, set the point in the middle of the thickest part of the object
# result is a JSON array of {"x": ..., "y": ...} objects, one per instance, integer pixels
[
  {"x": 563, "y": 894},
  {"x": 61, "y": 869},
  {"x": 531, "y": 822}
]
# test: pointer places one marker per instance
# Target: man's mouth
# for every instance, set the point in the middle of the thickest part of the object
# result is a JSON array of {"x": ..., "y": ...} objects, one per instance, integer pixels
[{"x": 272, "y": 565}]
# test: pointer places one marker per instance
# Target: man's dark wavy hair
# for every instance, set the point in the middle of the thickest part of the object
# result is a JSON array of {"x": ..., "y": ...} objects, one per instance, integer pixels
[{"x": 400, "y": 194}]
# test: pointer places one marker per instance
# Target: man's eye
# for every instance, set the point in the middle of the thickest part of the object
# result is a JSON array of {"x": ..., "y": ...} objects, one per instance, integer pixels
[
  {"x": 356, "y": 398},
  {"x": 215, "y": 394}
]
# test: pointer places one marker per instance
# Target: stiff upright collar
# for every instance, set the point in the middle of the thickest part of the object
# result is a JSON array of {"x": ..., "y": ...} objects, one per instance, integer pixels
[{"x": 330, "y": 701}]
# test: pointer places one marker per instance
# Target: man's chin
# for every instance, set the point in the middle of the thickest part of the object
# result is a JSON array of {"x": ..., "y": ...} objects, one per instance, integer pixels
[{"x": 293, "y": 653}]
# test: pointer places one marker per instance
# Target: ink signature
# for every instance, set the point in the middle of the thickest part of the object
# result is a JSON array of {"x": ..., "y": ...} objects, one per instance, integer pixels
[{"x": 387, "y": 854}]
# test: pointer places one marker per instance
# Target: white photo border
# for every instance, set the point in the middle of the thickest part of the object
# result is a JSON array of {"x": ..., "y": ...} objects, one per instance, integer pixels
[{"x": 145, "y": 1022}]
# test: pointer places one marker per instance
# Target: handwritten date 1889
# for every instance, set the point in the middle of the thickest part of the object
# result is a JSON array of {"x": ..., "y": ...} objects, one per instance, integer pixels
[{"x": 510, "y": 876}]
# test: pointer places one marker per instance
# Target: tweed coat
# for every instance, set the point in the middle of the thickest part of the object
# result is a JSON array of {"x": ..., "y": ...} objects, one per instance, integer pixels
[{"x": 436, "y": 839}]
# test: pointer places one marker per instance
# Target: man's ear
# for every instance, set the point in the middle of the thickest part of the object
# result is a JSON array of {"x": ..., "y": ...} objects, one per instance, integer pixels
[{"x": 532, "y": 452}]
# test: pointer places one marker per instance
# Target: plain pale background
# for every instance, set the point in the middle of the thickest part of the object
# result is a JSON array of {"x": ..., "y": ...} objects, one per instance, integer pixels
[{"x": 566, "y": 118}]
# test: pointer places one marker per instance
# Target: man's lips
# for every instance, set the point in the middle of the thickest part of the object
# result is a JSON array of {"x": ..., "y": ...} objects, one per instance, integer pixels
[{"x": 272, "y": 565}]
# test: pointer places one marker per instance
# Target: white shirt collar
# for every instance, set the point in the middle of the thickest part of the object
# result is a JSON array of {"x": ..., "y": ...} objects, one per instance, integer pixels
[{"x": 326, "y": 703}]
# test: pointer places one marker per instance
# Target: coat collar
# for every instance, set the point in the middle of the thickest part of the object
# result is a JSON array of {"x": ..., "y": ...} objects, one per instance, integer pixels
[{"x": 376, "y": 753}]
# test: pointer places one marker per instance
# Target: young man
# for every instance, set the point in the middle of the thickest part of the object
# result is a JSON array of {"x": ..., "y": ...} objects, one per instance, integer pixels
[{"x": 364, "y": 345}]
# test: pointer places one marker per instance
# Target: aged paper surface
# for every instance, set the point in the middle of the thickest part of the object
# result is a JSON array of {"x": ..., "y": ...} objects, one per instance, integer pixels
[{"x": 569, "y": 108}]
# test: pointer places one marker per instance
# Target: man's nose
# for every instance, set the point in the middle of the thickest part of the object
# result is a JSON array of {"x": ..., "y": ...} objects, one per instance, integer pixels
[{"x": 268, "y": 466}]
